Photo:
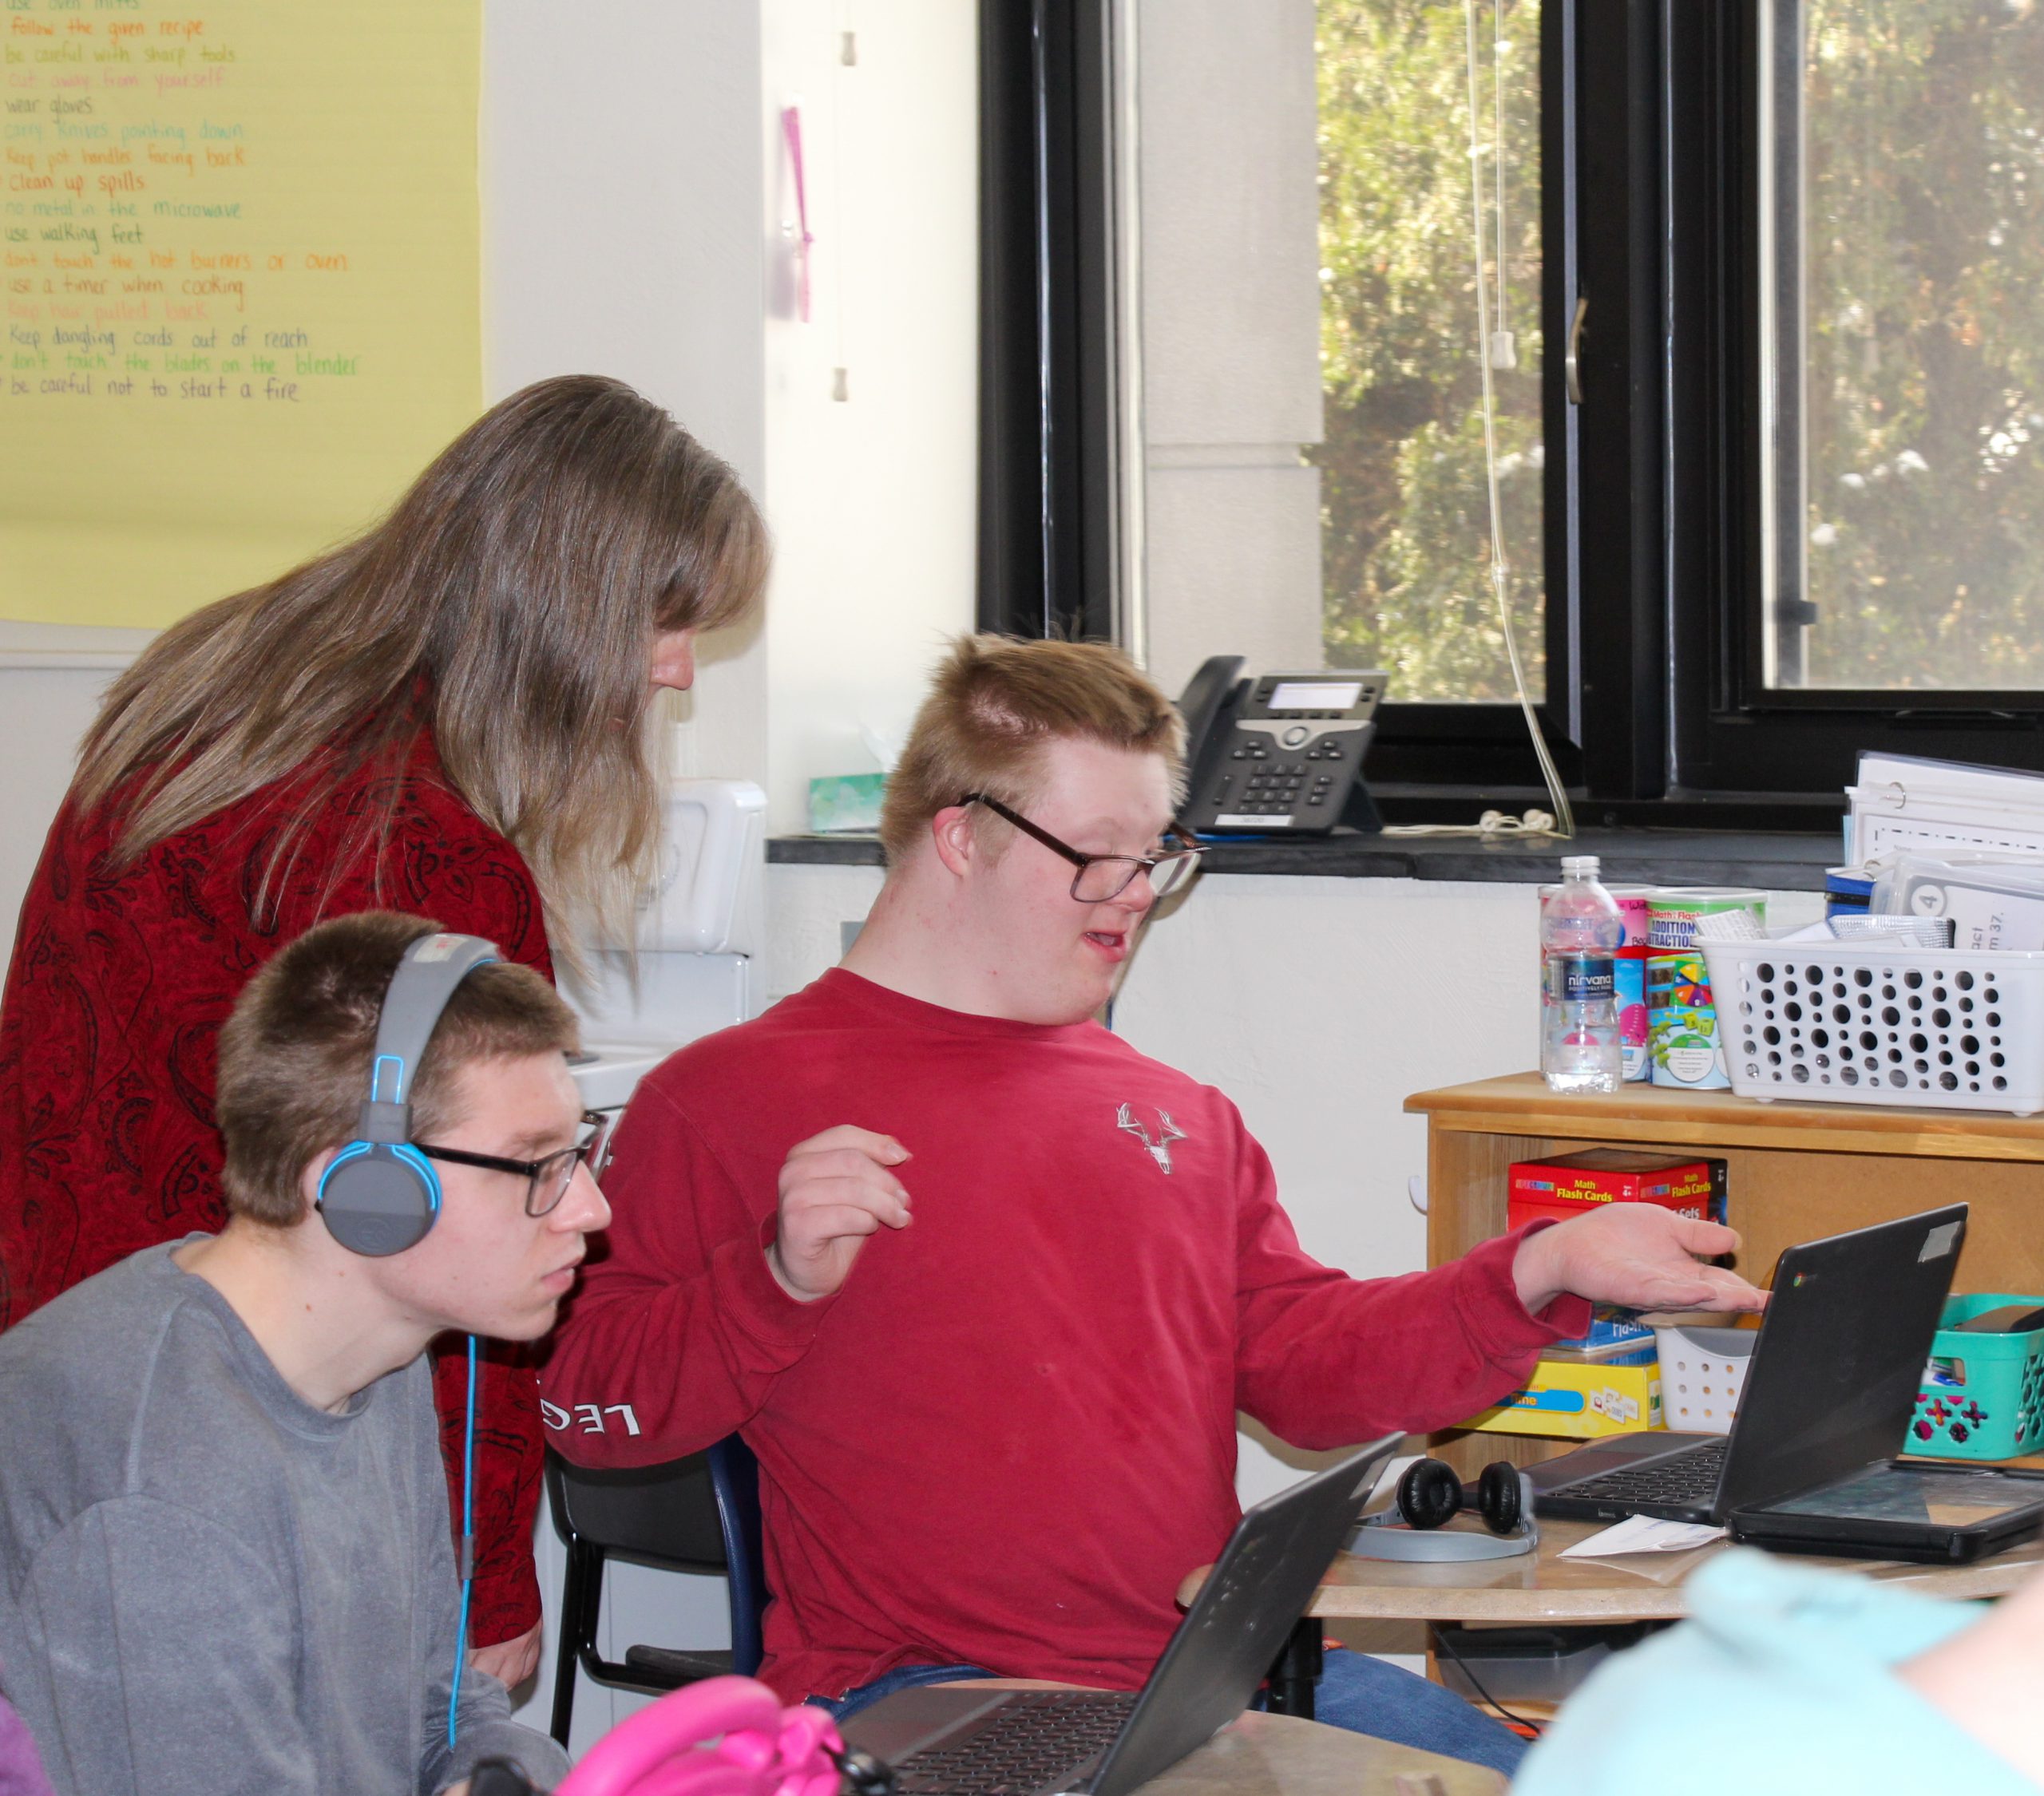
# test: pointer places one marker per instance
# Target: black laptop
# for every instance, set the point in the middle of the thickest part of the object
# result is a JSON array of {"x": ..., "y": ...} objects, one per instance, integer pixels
[
  {"x": 955, "y": 1738},
  {"x": 1831, "y": 1388}
]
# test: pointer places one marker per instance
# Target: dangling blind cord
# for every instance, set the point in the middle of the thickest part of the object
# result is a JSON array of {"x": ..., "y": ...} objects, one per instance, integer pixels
[
  {"x": 1504, "y": 351},
  {"x": 1498, "y": 352}
]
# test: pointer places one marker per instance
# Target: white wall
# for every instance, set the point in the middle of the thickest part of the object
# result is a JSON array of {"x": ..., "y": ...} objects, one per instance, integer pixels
[
  {"x": 1230, "y": 304},
  {"x": 651, "y": 232},
  {"x": 872, "y": 497},
  {"x": 51, "y": 678},
  {"x": 621, "y": 199}
]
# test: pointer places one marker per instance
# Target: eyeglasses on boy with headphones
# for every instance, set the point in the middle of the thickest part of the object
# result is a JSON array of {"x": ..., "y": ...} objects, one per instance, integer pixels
[{"x": 547, "y": 1178}]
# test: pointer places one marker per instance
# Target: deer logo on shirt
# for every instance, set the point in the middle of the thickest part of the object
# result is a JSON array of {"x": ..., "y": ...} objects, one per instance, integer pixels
[{"x": 1168, "y": 1132}]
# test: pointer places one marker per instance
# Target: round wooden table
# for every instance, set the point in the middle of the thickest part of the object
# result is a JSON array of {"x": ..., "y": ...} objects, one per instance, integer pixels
[
  {"x": 1259, "y": 1755},
  {"x": 1281, "y": 1755},
  {"x": 1543, "y": 1587}
]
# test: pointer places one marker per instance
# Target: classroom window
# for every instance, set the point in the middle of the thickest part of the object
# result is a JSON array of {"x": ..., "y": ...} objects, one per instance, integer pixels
[
  {"x": 1767, "y": 447},
  {"x": 1904, "y": 198},
  {"x": 1430, "y": 263}
]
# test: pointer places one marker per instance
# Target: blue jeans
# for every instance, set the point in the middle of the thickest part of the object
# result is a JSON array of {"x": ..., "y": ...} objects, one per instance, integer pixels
[
  {"x": 1366, "y": 1695},
  {"x": 1363, "y": 1695}
]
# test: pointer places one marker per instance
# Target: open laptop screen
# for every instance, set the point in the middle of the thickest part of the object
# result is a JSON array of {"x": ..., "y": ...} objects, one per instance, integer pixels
[
  {"x": 1240, "y": 1621},
  {"x": 1841, "y": 1356}
]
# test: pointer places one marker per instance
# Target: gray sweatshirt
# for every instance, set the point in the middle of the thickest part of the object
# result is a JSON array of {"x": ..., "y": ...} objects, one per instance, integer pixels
[{"x": 209, "y": 1586}]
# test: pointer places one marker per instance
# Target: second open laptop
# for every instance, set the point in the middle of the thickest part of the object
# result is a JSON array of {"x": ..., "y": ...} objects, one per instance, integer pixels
[
  {"x": 958, "y": 1740},
  {"x": 1831, "y": 1387}
]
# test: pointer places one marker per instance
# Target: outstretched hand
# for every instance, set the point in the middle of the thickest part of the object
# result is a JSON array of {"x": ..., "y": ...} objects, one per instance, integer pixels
[{"x": 1637, "y": 1255}]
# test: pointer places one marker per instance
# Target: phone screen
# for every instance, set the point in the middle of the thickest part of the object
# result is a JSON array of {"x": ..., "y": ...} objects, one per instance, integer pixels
[{"x": 1315, "y": 695}]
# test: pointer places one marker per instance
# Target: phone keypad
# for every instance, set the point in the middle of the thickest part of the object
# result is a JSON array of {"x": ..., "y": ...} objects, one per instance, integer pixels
[
  {"x": 1294, "y": 770},
  {"x": 1274, "y": 791}
]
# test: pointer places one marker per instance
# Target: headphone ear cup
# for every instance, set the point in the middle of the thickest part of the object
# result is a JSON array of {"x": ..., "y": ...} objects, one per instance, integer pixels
[
  {"x": 1498, "y": 1496},
  {"x": 378, "y": 1199},
  {"x": 1429, "y": 1493}
]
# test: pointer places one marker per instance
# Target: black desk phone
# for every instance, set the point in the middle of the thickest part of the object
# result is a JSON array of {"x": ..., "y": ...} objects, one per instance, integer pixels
[{"x": 1277, "y": 753}]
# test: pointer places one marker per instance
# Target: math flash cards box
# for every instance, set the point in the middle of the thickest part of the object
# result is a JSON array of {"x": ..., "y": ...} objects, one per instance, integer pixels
[{"x": 1688, "y": 1185}]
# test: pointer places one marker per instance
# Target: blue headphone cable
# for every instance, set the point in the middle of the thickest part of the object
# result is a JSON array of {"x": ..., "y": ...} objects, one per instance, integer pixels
[{"x": 468, "y": 1566}]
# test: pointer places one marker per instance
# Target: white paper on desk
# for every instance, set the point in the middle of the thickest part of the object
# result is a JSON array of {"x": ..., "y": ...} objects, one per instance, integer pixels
[{"x": 1644, "y": 1534}]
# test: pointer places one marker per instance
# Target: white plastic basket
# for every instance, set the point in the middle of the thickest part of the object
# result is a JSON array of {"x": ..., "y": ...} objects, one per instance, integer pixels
[
  {"x": 1702, "y": 1372},
  {"x": 1868, "y": 1022}
]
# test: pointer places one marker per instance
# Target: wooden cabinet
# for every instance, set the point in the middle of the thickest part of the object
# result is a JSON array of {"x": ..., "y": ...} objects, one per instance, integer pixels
[{"x": 1793, "y": 1172}]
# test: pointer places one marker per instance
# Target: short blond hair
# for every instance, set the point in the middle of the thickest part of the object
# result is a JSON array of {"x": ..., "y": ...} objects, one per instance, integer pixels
[
  {"x": 996, "y": 703},
  {"x": 294, "y": 1057}
]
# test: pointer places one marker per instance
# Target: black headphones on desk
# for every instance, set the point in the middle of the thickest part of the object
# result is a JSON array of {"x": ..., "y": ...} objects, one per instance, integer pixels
[
  {"x": 380, "y": 1195},
  {"x": 1430, "y": 1493}
]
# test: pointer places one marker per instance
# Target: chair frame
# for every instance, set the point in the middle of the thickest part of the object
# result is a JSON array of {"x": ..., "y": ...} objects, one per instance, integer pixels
[{"x": 734, "y": 1481}]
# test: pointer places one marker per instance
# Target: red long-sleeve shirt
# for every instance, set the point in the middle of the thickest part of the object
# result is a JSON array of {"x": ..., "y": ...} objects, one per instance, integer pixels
[
  {"x": 1011, "y": 1433},
  {"x": 120, "y": 982}
]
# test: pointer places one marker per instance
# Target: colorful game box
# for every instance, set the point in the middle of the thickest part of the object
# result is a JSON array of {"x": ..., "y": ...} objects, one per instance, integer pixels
[
  {"x": 1580, "y": 1402},
  {"x": 1689, "y": 1185}
]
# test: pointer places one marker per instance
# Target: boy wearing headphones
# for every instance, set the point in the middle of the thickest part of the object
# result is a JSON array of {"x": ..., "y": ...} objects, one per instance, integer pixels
[{"x": 225, "y": 1561}]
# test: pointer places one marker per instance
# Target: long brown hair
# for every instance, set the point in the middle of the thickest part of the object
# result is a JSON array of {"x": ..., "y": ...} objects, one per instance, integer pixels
[{"x": 508, "y": 603}]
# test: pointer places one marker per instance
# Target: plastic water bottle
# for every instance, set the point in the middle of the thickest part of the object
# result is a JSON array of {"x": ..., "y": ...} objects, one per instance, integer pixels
[{"x": 1580, "y": 930}]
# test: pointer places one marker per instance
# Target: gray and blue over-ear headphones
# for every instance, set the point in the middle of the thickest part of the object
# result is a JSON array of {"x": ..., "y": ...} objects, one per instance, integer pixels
[{"x": 380, "y": 1195}]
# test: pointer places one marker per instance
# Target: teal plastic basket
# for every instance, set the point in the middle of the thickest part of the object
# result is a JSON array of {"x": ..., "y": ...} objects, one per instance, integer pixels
[{"x": 1984, "y": 1394}]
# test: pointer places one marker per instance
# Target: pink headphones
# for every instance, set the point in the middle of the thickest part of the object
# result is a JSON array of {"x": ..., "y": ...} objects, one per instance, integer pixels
[{"x": 759, "y": 1749}]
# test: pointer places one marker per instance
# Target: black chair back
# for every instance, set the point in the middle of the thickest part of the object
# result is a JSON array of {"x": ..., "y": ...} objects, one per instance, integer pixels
[{"x": 666, "y": 1514}]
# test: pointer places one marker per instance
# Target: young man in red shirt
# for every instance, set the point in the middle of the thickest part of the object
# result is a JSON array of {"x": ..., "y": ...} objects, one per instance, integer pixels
[{"x": 984, "y": 1286}]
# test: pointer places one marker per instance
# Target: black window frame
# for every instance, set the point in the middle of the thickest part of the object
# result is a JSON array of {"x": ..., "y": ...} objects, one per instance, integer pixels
[
  {"x": 1655, "y": 713},
  {"x": 1731, "y": 732},
  {"x": 1047, "y": 528}
]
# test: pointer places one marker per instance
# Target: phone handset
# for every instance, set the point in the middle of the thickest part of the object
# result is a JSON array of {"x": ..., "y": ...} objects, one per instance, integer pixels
[{"x": 1206, "y": 692}]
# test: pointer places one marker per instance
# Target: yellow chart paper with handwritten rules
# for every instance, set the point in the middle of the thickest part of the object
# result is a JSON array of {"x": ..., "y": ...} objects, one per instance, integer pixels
[{"x": 240, "y": 244}]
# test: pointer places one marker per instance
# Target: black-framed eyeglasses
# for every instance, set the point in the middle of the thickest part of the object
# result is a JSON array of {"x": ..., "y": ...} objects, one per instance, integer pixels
[
  {"x": 1102, "y": 877},
  {"x": 547, "y": 1178}
]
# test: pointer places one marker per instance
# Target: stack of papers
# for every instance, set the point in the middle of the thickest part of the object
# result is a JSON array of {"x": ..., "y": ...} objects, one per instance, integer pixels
[
  {"x": 1904, "y": 801},
  {"x": 1643, "y": 1533}
]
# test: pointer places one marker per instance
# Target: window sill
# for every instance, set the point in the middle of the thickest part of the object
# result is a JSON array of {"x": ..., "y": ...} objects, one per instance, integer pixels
[{"x": 1774, "y": 863}]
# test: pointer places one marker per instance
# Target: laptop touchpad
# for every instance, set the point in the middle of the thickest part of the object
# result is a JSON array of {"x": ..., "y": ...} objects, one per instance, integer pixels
[{"x": 909, "y": 1720}]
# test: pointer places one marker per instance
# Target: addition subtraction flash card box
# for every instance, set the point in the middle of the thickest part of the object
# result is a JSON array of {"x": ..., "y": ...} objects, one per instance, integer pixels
[
  {"x": 1580, "y": 1402},
  {"x": 1560, "y": 1188}
]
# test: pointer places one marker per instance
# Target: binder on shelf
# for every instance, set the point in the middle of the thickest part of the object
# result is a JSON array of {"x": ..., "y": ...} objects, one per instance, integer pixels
[{"x": 1905, "y": 801}]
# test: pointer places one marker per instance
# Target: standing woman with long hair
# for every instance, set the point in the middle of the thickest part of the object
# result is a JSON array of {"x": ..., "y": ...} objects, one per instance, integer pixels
[{"x": 447, "y": 716}]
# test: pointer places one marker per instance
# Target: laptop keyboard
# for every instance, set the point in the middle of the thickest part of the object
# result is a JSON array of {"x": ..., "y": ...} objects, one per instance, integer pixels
[
  {"x": 1038, "y": 1738},
  {"x": 1689, "y": 1476}
]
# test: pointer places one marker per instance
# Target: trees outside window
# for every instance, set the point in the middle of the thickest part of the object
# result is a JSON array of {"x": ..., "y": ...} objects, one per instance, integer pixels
[
  {"x": 1405, "y": 531},
  {"x": 1911, "y": 156}
]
